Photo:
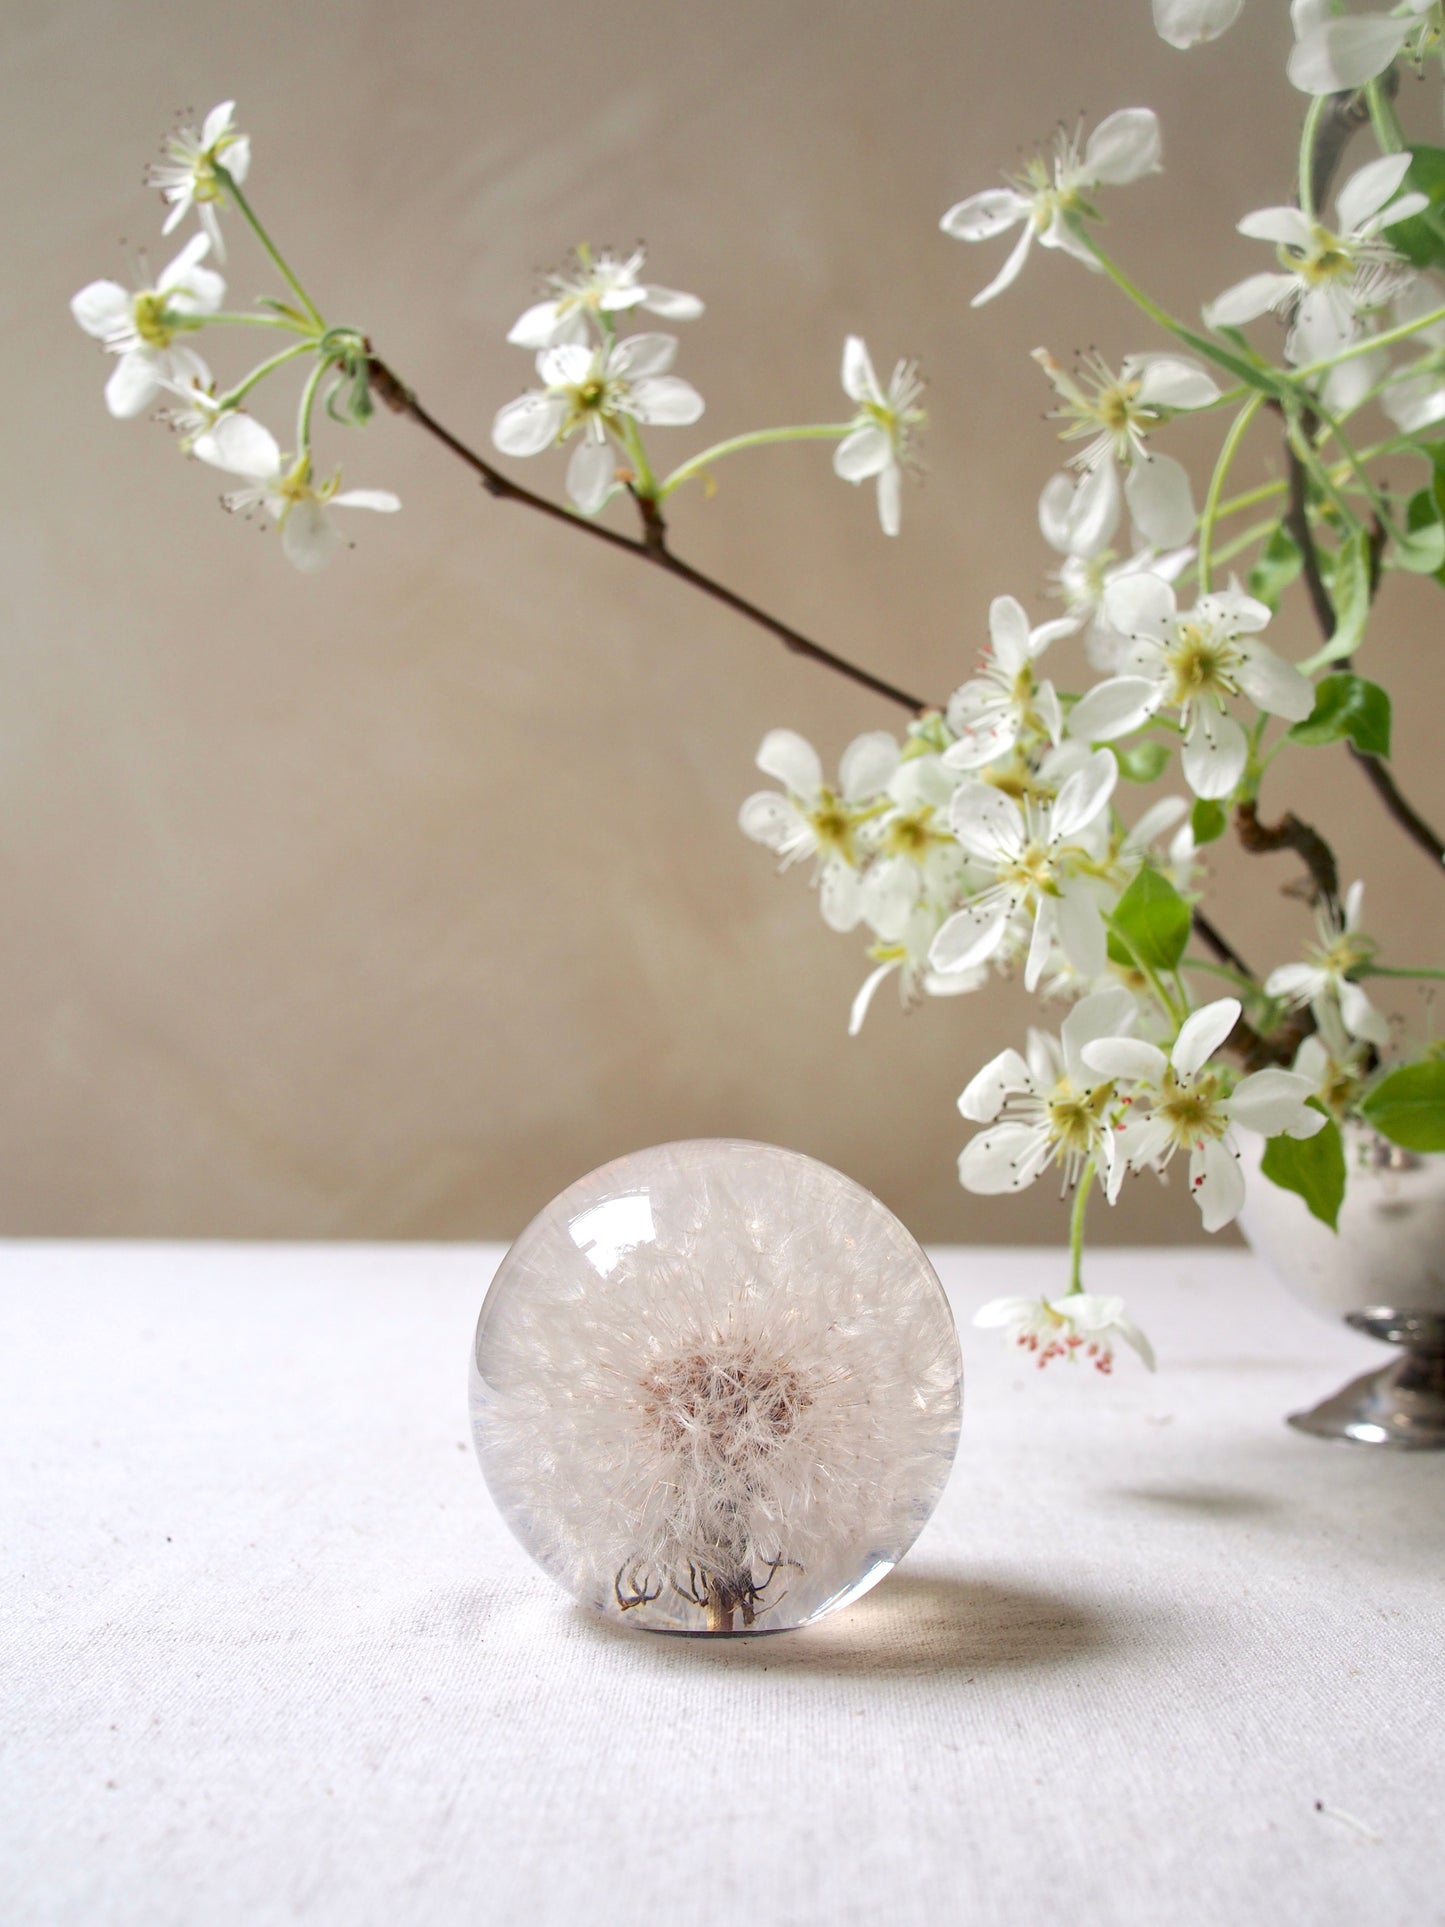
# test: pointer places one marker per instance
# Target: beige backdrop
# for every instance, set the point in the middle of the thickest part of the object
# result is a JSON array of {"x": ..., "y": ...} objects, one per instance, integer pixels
[{"x": 383, "y": 904}]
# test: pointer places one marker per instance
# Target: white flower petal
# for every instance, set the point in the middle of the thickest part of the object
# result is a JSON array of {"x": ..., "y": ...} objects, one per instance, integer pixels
[
  {"x": 859, "y": 1008},
  {"x": 773, "y": 821},
  {"x": 1008, "y": 629},
  {"x": 1081, "y": 929},
  {"x": 1257, "y": 294},
  {"x": 1341, "y": 55},
  {"x": 529, "y": 424},
  {"x": 987, "y": 823},
  {"x": 1215, "y": 752},
  {"x": 134, "y": 384},
  {"x": 1124, "y": 147},
  {"x": 890, "y": 499},
  {"x": 307, "y": 537},
  {"x": 1094, "y": 511},
  {"x": 1287, "y": 227},
  {"x": 536, "y": 327},
  {"x": 664, "y": 401},
  {"x": 839, "y": 897},
  {"x": 1217, "y": 1183},
  {"x": 863, "y": 454},
  {"x": 240, "y": 445},
  {"x": 1011, "y": 269},
  {"x": 1189, "y": 23},
  {"x": 671, "y": 303},
  {"x": 640, "y": 356},
  {"x": 1360, "y": 1017},
  {"x": 591, "y": 474},
  {"x": 859, "y": 381},
  {"x": 1004, "y": 1311},
  {"x": 970, "y": 936},
  {"x": 867, "y": 766},
  {"x": 792, "y": 759},
  {"x": 1055, "y": 505},
  {"x": 1007, "y": 1158},
  {"x": 1273, "y": 684},
  {"x": 1369, "y": 188},
  {"x": 102, "y": 308},
  {"x": 1170, "y": 381},
  {"x": 1160, "y": 500},
  {"x": 1104, "y": 1013},
  {"x": 1202, "y": 1033},
  {"x": 1141, "y": 604},
  {"x": 1126, "y": 1059},
  {"x": 1297, "y": 981},
  {"x": 1083, "y": 795},
  {"x": 1272, "y": 1102},
  {"x": 984, "y": 1096},
  {"x": 381, "y": 500},
  {"x": 982, "y": 216}
]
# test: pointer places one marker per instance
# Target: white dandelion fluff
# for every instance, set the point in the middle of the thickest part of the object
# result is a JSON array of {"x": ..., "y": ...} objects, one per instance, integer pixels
[{"x": 715, "y": 1388}]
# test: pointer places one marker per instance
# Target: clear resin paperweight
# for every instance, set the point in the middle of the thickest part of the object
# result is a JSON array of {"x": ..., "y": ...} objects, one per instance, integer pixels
[{"x": 715, "y": 1389}]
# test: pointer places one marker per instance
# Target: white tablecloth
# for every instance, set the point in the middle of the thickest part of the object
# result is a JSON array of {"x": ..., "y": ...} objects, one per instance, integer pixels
[{"x": 269, "y": 1655}]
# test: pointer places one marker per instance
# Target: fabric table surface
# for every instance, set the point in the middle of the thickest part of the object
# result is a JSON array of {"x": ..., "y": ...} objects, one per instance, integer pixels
[{"x": 269, "y": 1655}]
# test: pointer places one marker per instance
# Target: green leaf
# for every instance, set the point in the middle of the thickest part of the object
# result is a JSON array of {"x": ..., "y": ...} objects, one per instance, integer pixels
[
  {"x": 1141, "y": 762},
  {"x": 1408, "y": 1106},
  {"x": 1350, "y": 593},
  {"x": 1421, "y": 239},
  {"x": 1314, "y": 1167},
  {"x": 1277, "y": 566},
  {"x": 1208, "y": 820},
  {"x": 1347, "y": 706},
  {"x": 1151, "y": 922}
]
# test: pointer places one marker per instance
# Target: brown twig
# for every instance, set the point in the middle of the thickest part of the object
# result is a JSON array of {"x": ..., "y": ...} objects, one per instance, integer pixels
[
  {"x": 1291, "y": 833},
  {"x": 652, "y": 548}
]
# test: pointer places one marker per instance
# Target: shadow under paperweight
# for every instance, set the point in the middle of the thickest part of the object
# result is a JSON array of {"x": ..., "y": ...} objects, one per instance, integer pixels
[{"x": 715, "y": 1389}]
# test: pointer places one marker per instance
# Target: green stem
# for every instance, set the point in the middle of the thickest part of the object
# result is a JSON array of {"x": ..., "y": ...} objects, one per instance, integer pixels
[
  {"x": 1384, "y": 121},
  {"x": 1076, "y": 1227},
  {"x": 229, "y": 320},
  {"x": 308, "y": 402},
  {"x": 1220, "y": 970},
  {"x": 646, "y": 484},
  {"x": 1253, "y": 377},
  {"x": 1388, "y": 970},
  {"x": 1238, "y": 429},
  {"x": 234, "y": 396},
  {"x": 277, "y": 258},
  {"x": 1308, "y": 455},
  {"x": 1368, "y": 343},
  {"x": 758, "y": 438},
  {"x": 1308, "y": 135}
]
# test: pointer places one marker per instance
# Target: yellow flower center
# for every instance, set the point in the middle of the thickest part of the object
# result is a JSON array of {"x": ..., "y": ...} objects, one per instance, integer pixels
[
  {"x": 1192, "y": 1114},
  {"x": 833, "y": 826},
  {"x": 155, "y": 325},
  {"x": 1202, "y": 664}
]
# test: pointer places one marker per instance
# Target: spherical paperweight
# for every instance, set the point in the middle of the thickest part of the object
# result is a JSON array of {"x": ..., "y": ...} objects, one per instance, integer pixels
[{"x": 715, "y": 1389}]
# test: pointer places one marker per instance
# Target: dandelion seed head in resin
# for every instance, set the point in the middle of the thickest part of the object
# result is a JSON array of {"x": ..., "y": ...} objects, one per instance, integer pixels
[{"x": 715, "y": 1389}]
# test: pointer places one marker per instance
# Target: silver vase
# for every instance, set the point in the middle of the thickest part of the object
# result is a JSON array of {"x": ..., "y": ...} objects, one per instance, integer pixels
[{"x": 1383, "y": 1273}]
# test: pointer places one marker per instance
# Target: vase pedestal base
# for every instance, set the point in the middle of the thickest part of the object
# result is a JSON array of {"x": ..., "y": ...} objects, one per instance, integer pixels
[{"x": 1401, "y": 1407}]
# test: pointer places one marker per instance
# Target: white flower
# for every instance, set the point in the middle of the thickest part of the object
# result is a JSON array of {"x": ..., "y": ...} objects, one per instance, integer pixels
[
  {"x": 815, "y": 820},
  {"x": 882, "y": 429},
  {"x": 1080, "y": 1324},
  {"x": 1006, "y": 699},
  {"x": 187, "y": 176},
  {"x": 241, "y": 446},
  {"x": 591, "y": 391},
  {"x": 1326, "y": 275},
  {"x": 1335, "y": 1065},
  {"x": 198, "y": 414},
  {"x": 1033, "y": 851},
  {"x": 1188, "y": 23},
  {"x": 146, "y": 328},
  {"x": 1326, "y": 981},
  {"x": 1334, "y": 55},
  {"x": 1091, "y": 567},
  {"x": 1053, "y": 1108},
  {"x": 600, "y": 284},
  {"x": 1196, "y": 663},
  {"x": 907, "y": 957},
  {"x": 1115, "y": 412},
  {"x": 1190, "y": 1106},
  {"x": 1121, "y": 149},
  {"x": 1419, "y": 400}
]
